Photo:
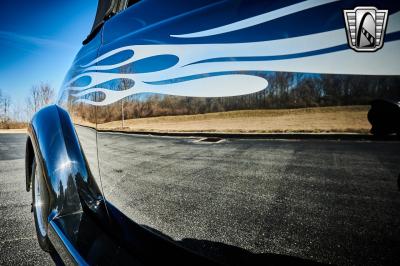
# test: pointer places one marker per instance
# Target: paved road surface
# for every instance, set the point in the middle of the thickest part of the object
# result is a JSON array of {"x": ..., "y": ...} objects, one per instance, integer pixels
[
  {"x": 18, "y": 245},
  {"x": 328, "y": 201}
]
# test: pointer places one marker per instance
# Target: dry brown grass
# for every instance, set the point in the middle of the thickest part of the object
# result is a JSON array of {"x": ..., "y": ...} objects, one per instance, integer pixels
[
  {"x": 350, "y": 119},
  {"x": 13, "y": 131},
  {"x": 11, "y": 127},
  {"x": 79, "y": 121}
]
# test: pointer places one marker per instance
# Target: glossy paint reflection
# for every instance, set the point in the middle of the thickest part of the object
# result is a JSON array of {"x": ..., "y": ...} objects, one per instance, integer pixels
[
  {"x": 69, "y": 181},
  {"x": 161, "y": 60}
]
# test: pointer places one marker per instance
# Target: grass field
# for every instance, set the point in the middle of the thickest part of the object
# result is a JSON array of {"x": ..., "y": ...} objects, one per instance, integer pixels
[
  {"x": 13, "y": 131},
  {"x": 13, "y": 127},
  {"x": 346, "y": 119}
]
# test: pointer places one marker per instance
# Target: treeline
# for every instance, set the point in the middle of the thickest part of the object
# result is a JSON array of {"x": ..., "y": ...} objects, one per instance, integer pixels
[
  {"x": 14, "y": 115},
  {"x": 285, "y": 90},
  {"x": 39, "y": 96},
  {"x": 5, "y": 102}
]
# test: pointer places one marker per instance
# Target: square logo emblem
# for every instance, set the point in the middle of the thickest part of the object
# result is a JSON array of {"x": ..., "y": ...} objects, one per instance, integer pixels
[{"x": 366, "y": 27}]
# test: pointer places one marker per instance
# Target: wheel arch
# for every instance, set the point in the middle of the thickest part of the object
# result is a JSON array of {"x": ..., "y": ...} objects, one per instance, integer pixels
[
  {"x": 29, "y": 156},
  {"x": 52, "y": 138}
]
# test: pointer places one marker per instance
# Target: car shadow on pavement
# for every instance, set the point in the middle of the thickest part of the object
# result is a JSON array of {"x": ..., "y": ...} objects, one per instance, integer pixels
[
  {"x": 225, "y": 254},
  {"x": 121, "y": 241},
  {"x": 56, "y": 258}
]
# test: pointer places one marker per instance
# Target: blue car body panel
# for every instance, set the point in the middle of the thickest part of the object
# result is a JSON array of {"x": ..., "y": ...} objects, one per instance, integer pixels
[
  {"x": 194, "y": 49},
  {"x": 159, "y": 49}
]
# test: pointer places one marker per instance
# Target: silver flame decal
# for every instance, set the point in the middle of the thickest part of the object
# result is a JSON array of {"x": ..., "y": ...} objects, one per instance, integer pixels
[{"x": 200, "y": 72}]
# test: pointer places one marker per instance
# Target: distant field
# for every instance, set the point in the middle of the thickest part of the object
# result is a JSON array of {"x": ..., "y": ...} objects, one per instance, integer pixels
[
  {"x": 13, "y": 127},
  {"x": 13, "y": 130},
  {"x": 349, "y": 119}
]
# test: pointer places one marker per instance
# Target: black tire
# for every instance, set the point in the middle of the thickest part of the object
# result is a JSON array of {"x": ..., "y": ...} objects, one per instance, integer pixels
[{"x": 40, "y": 210}]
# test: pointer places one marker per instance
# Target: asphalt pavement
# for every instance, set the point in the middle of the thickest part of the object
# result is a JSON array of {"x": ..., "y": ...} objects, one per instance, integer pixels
[
  {"x": 18, "y": 244},
  {"x": 327, "y": 201}
]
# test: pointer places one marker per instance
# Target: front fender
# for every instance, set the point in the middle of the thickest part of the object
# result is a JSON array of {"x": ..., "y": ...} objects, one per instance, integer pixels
[
  {"x": 81, "y": 229},
  {"x": 57, "y": 148},
  {"x": 73, "y": 192}
]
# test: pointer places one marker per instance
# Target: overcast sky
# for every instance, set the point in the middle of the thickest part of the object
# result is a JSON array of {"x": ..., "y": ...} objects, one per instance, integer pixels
[{"x": 38, "y": 42}]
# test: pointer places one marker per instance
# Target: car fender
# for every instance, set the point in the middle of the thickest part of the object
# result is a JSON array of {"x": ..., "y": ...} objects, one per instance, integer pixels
[{"x": 68, "y": 177}]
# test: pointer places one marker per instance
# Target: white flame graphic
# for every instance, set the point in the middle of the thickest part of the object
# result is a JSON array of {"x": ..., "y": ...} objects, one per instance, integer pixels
[{"x": 192, "y": 62}]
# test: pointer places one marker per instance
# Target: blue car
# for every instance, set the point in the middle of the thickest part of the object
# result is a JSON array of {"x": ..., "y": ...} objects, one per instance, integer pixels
[{"x": 149, "y": 156}]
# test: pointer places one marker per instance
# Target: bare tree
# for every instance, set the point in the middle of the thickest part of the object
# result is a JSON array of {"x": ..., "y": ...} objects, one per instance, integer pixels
[
  {"x": 125, "y": 84},
  {"x": 39, "y": 96},
  {"x": 4, "y": 107},
  {"x": 46, "y": 94}
]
